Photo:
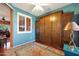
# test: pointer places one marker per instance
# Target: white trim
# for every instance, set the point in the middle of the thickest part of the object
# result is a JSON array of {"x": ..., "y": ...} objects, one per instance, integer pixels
[
  {"x": 17, "y": 23},
  {"x": 23, "y": 14},
  {"x": 25, "y": 23},
  {"x": 9, "y": 6},
  {"x": 24, "y": 43}
]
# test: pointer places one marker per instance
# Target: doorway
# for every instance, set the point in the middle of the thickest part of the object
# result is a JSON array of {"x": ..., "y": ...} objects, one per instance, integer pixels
[{"x": 5, "y": 26}]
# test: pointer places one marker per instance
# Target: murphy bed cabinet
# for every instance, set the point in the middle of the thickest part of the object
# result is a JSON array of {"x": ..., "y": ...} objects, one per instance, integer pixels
[{"x": 50, "y": 32}]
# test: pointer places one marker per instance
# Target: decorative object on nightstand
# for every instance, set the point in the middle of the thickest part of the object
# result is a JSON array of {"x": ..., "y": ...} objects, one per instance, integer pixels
[
  {"x": 72, "y": 50},
  {"x": 74, "y": 27}
]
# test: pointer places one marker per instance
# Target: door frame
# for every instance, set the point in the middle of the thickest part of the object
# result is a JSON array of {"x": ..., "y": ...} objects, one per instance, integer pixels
[
  {"x": 11, "y": 45},
  {"x": 11, "y": 24}
]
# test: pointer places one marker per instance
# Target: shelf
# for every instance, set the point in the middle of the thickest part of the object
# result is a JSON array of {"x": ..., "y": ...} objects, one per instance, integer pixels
[{"x": 4, "y": 22}]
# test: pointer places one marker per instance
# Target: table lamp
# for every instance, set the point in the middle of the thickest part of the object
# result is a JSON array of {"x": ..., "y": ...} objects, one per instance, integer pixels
[{"x": 74, "y": 27}]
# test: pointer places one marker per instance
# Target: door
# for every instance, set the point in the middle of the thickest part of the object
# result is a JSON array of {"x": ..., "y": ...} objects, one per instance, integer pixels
[
  {"x": 42, "y": 32},
  {"x": 47, "y": 31},
  {"x": 37, "y": 31},
  {"x": 56, "y": 30}
]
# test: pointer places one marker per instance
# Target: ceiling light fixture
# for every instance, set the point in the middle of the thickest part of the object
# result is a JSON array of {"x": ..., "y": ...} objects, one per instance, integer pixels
[
  {"x": 41, "y": 4},
  {"x": 38, "y": 9}
]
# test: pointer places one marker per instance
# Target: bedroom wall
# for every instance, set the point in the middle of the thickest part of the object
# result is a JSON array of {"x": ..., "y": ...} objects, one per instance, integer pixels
[{"x": 19, "y": 39}]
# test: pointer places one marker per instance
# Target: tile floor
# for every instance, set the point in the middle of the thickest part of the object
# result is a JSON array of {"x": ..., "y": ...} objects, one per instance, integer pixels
[{"x": 33, "y": 49}]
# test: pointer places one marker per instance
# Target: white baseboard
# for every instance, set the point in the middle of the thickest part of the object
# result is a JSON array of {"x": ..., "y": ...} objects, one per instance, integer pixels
[{"x": 24, "y": 43}]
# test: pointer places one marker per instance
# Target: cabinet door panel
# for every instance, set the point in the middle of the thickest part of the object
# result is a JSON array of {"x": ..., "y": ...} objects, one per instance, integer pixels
[
  {"x": 56, "y": 30},
  {"x": 47, "y": 31},
  {"x": 37, "y": 31},
  {"x": 42, "y": 30}
]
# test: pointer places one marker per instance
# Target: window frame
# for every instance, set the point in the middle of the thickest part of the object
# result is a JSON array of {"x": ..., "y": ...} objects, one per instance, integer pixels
[{"x": 20, "y": 14}]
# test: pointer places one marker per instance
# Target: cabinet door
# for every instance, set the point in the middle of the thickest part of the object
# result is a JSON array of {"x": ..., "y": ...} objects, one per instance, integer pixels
[
  {"x": 37, "y": 31},
  {"x": 47, "y": 31},
  {"x": 42, "y": 30},
  {"x": 56, "y": 29},
  {"x": 67, "y": 18}
]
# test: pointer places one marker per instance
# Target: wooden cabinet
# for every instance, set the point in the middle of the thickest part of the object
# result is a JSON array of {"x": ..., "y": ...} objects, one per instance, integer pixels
[{"x": 49, "y": 29}]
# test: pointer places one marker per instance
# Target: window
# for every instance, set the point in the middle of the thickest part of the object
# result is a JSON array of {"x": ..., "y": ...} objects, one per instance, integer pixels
[{"x": 24, "y": 23}]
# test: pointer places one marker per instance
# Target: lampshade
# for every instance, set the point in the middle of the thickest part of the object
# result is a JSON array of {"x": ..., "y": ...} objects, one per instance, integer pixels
[
  {"x": 68, "y": 26},
  {"x": 75, "y": 26}
]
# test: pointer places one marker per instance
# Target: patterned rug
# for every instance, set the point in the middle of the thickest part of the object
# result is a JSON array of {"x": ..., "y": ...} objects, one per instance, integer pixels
[{"x": 33, "y": 49}]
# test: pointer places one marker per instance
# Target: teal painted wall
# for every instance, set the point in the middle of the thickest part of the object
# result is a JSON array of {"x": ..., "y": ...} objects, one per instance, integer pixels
[
  {"x": 69, "y": 8},
  {"x": 26, "y": 37},
  {"x": 72, "y": 7}
]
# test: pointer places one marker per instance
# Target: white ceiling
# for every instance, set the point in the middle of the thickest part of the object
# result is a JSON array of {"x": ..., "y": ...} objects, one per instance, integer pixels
[{"x": 47, "y": 8}]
